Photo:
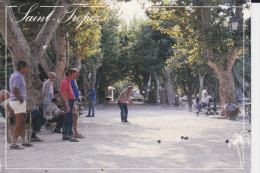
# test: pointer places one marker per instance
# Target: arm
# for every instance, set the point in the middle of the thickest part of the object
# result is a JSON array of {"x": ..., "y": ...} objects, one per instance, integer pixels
[{"x": 17, "y": 95}]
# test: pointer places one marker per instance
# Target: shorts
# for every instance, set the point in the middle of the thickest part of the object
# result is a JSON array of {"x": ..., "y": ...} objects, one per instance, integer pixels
[{"x": 18, "y": 107}]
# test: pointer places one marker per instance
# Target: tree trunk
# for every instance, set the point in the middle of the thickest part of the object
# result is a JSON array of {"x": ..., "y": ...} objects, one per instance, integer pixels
[
  {"x": 94, "y": 77},
  {"x": 156, "y": 87},
  {"x": 226, "y": 80},
  {"x": 241, "y": 81},
  {"x": 226, "y": 87},
  {"x": 168, "y": 86},
  {"x": 201, "y": 80},
  {"x": 189, "y": 100},
  {"x": 59, "y": 46},
  {"x": 31, "y": 53}
]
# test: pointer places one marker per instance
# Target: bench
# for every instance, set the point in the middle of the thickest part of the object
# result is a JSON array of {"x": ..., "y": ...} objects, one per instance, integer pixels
[{"x": 212, "y": 110}]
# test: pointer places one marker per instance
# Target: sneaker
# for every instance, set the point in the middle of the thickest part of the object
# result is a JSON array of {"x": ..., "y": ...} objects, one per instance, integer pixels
[
  {"x": 57, "y": 130},
  {"x": 36, "y": 139},
  {"x": 196, "y": 111},
  {"x": 51, "y": 126},
  {"x": 92, "y": 116},
  {"x": 88, "y": 116},
  {"x": 15, "y": 147},
  {"x": 73, "y": 140},
  {"x": 79, "y": 136},
  {"x": 126, "y": 121},
  {"x": 26, "y": 144},
  {"x": 66, "y": 138}
]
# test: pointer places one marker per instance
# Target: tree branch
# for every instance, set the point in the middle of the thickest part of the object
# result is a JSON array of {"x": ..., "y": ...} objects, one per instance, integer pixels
[
  {"x": 16, "y": 41},
  {"x": 232, "y": 59},
  {"x": 50, "y": 26},
  {"x": 46, "y": 63}
]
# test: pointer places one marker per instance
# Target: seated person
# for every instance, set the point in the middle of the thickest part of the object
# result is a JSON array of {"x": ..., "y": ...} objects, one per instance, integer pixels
[
  {"x": 36, "y": 116},
  {"x": 37, "y": 121},
  {"x": 203, "y": 103},
  {"x": 231, "y": 110},
  {"x": 4, "y": 95},
  {"x": 56, "y": 93},
  {"x": 54, "y": 115}
]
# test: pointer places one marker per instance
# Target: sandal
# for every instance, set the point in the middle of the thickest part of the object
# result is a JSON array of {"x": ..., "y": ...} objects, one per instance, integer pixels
[
  {"x": 73, "y": 140},
  {"x": 36, "y": 139},
  {"x": 79, "y": 136},
  {"x": 15, "y": 147},
  {"x": 27, "y": 144},
  {"x": 65, "y": 138}
]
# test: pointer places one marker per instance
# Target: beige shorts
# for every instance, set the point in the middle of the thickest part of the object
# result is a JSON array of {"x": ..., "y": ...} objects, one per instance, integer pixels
[{"x": 18, "y": 107}]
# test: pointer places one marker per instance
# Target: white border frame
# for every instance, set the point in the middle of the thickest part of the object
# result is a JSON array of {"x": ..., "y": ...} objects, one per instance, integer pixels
[{"x": 87, "y": 6}]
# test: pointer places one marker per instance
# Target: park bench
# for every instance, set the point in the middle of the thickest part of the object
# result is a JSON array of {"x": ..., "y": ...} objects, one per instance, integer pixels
[{"x": 214, "y": 110}]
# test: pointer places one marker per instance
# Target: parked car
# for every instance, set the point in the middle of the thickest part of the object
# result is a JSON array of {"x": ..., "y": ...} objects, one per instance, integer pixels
[{"x": 136, "y": 96}]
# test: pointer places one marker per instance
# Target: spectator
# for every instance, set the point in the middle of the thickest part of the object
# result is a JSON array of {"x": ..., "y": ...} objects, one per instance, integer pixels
[
  {"x": 76, "y": 104},
  {"x": 56, "y": 93},
  {"x": 203, "y": 103},
  {"x": 54, "y": 115},
  {"x": 47, "y": 90},
  {"x": 68, "y": 103},
  {"x": 91, "y": 100},
  {"x": 36, "y": 116},
  {"x": 204, "y": 91},
  {"x": 18, "y": 103},
  {"x": 231, "y": 110},
  {"x": 4, "y": 95},
  {"x": 37, "y": 121},
  {"x": 123, "y": 98}
]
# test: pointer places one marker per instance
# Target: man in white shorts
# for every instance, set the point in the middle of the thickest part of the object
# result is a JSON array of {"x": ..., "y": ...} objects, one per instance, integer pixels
[{"x": 18, "y": 104}]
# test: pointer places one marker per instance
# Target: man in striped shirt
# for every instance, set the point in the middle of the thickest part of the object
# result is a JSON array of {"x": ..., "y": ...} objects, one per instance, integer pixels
[{"x": 123, "y": 98}]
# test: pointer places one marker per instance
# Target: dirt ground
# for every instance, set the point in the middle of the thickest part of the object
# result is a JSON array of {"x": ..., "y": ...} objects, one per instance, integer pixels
[{"x": 151, "y": 142}]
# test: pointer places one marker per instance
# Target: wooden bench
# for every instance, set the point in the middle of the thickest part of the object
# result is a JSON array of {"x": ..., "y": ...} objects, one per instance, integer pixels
[{"x": 10, "y": 128}]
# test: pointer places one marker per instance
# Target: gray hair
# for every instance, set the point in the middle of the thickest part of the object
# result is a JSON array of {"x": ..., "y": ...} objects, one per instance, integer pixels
[
  {"x": 50, "y": 74},
  {"x": 3, "y": 93}
]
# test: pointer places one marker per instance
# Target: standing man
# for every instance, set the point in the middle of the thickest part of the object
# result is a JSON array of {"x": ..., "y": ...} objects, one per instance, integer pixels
[
  {"x": 47, "y": 90},
  {"x": 68, "y": 103},
  {"x": 18, "y": 103},
  {"x": 91, "y": 100},
  {"x": 123, "y": 98},
  {"x": 75, "y": 107}
]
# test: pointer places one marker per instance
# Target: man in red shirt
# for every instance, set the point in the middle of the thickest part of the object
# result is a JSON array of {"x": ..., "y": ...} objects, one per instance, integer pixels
[{"x": 68, "y": 103}]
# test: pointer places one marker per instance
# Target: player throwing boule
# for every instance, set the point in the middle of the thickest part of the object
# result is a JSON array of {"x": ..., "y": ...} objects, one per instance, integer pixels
[{"x": 122, "y": 103}]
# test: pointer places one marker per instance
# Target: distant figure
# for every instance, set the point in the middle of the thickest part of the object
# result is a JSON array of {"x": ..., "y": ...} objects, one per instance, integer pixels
[
  {"x": 91, "y": 100},
  {"x": 47, "y": 90},
  {"x": 123, "y": 98},
  {"x": 231, "y": 110},
  {"x": 18, "y": 103}
]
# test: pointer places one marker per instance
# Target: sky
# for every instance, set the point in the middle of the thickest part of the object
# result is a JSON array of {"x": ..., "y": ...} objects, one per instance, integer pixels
[{"x": 129, "y": 9}]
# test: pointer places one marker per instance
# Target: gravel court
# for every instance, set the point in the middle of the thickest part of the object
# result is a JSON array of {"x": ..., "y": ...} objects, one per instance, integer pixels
[{"x": 133, "y": 147}]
